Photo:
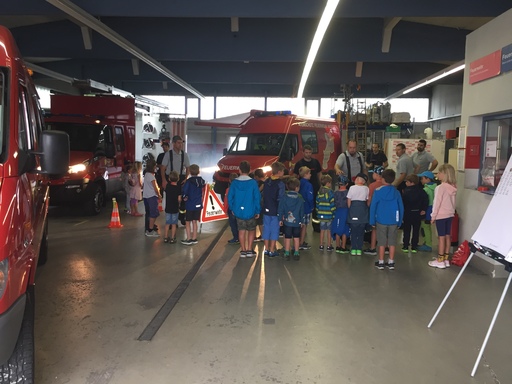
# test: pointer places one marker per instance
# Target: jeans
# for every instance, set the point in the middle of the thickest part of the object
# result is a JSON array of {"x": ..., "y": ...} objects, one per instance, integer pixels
[
  {"x": 146, "y": 217},
  {"x": 232, "y": 224},
  {"x": 357, "y": 235}
]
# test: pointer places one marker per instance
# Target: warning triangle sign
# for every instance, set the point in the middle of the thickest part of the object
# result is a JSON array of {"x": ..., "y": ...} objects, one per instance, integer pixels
[{"x": 213, "y": 209}]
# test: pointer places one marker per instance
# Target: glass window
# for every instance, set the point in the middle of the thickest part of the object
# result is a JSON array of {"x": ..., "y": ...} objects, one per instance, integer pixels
[
  {"x": 266, "y": 144},
  {"x": 496, "y": 150},
  {"x": 309, "y": 138},
  {"x": 24, "y": 137},
  {"x": 119, "y": 139},
  {"x": 82, "y": 137},
  {"x": 228, "y": 106}
]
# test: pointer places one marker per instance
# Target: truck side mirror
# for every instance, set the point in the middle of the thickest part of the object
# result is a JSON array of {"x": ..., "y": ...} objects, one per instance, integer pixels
[
  {"x": 54, "y": 153},
  {"x": 224, "y": 152},
  {"x": 110, "y": 151}
]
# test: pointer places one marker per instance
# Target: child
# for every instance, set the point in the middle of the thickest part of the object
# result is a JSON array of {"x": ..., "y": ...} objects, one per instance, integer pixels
[
  {"x": 415, "y": 201},
  {"x": 290, "y": 214},
  {"x": 172, "y": 206},
  {"x": 151, "y": 196},
  {"x": 357, "y": 201},
  {"x": 273, "y": 192},
  {"x": 325, "y": 211},
  {"x": 443, "y": 211},
  {"x": 231, "y": 216},
  {"x": 244, "y": 198},
  {"x": 125, "y": 178},
  {"x": 136, "y": 188},
  {"x": 259, "y": 176},
  {"x": 340, "y": 228},
  {"x": 429, "y": 186},
  {"x": 306, "y": 191},
  {"x": 377, "y": 177},
  {"x": 386, "y": 213},
  {"x": 192, "y": 195}
]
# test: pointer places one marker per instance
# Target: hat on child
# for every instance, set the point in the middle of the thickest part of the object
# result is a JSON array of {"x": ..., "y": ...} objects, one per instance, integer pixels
[
  {"x": 362, "y": 175},
  {"x": 428, "y": 174},
  {"x": 378, "y": 170},
  {"x": 342, "y": 179}
]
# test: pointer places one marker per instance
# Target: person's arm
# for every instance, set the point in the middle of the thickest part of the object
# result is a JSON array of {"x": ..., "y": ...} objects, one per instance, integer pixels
[
  {"x": 401, "y": 211},
  {"x": 337, "y": 166},
  {"x": 399, "y": 180},
  {"x": 438, "y": 199},
  {"x": 434, "y": 165},
  {"x": 373, "y": 208},
  {"x": 385, "y": 160},
  {"x": 155, "y": 186},
  {"x": 187, "y": 174},
  {"x": 348, "y": 202},
  {"x": 257, "y": 201},
  {"x": 385, "y": 164}
]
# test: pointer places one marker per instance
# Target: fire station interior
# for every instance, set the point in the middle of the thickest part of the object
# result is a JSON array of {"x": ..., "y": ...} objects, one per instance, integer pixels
[{"x": 114, "y": 305}]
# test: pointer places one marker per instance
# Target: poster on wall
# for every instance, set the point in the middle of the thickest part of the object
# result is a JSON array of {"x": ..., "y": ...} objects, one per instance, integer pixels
[
  {"x": 485, "y": 68},
  {"x": 506, "y": 58}
]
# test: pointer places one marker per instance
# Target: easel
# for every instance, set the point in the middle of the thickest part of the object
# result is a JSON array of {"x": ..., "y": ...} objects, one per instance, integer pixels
[{"x": 474, "y": 247}]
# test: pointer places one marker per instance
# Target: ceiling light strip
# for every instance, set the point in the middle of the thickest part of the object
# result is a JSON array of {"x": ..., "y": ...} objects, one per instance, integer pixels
[
  {"x": 79, "y": 14},
  {"x": 317, "y": 40}
]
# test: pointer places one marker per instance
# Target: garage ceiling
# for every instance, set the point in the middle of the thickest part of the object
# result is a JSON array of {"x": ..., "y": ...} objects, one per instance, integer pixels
[{"x": 197, "y": 40}]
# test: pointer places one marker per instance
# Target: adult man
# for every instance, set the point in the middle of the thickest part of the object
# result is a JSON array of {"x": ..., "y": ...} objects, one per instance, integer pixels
[
  {"x": 350, "y": 162},
  {"x": 177, "y": 162},
  {"x": 313, "y": 164},
  {"x": 423, "y": 159},
  {"x": 404, "y": 166},
  {"x": 159, "y": 159},
  {"x": 375, "y": 158}
]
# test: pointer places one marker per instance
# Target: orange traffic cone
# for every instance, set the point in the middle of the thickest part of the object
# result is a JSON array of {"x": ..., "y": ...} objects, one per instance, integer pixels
[
  {"x": 160, "y": 208},
  {"x": 115, "y": 222}
]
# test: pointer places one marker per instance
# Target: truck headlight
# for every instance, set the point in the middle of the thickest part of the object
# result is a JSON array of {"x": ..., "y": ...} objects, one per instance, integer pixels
[
  {"x": 77, "y": 168},
  {"x": 4, "y": 274}
]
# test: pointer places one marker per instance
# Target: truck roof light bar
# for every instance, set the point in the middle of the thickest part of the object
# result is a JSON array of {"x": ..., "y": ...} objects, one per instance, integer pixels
[{"x": 270, "y": 113}]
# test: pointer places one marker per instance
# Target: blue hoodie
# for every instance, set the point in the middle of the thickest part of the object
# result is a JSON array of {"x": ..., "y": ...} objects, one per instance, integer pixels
[
  {"x": 244, "y": 198},
  {"x": 291, "y": 209},
  {"x": 273, "y": 191},
  {"x": 386, "y": 207},
  {"x": 306, "y": 191},
  {"x": 193, "y": 190}
]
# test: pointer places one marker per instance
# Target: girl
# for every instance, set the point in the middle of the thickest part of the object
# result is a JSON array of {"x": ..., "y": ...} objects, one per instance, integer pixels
[
  {"x": 125, "y": 177},
  {"x": 151, "y": 197},
  {"x": 136, "y": 190},
  {"x": 443, "y": 210}
]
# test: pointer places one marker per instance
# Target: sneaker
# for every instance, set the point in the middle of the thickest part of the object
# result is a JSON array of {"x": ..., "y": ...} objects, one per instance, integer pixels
[
  {"x": 250, "y": 253},
  {"x": 379, "y": 265},
  {"x": 152, "y": 234},
  {"x": 296, "y": 256},
  {"x": 266, "y": 252},
  {"x": 193, "y": 241},
  {"x": 329, "y": 249},
  {"x": 233, "y": 241},
  {"x": 370, "y": 251},
  {"x": 304, "y": 247},
  {"x": 344, "y": 250},
  {"x": 286, "y": 256},
  {"x": 321, "y": 247},
  {"x": 437, "y": 264},
  {"x": 243, "y": 254},
  {"x": 390, "y": 265},
  {"x": 414, "y": 250},
  {"x": 405, "y": 250},
  {"x": 273, "y": 254},
  {"x": 447, "y": 263},
  {"x": 386, "y": 251},
  {"x": 359, "y": 252},
  {"x": 155, "y": 227},
  {"x": 186, "y": 242},
  {"x": 338, "y": 249},
  {"x": 425, "y": 248},
  {"x": 353, "y": 252}
]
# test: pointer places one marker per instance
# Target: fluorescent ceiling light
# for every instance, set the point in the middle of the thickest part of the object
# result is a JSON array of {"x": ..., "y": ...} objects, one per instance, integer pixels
[
  {"x": 444, "y": 74},
  {"x": 87, "y": 19},
  {"x": 317, "y": 40}
]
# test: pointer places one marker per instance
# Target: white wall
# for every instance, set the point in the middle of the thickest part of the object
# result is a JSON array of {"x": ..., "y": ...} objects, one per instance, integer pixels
[{"x": 488, "y": 97}]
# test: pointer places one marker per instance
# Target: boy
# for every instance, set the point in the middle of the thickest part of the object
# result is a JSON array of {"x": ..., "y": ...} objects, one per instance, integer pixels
[
  {"x": 193, "y": 197},
  {"x": 172, "y": 206},
  {"x": 415, "y": 201},
  {"x": 429, "y": 185},
  {"x": 231, "y": 216},
  {"x": 386, "y": 213},
  {"x": 357, "y": 201},
  {"x": 377, "y": 177},
  {"x": 273, "y": 192},
  {"x": 290, "y": 213},
  {"x": 306, "y": 191},
  {"x": 151, "y": 196},
  {"x": 244, "y": 199},
  {"x": 325, "y": 211},
  {"x": 340, "y": 228},
  {"x": 259, "y": 176}
]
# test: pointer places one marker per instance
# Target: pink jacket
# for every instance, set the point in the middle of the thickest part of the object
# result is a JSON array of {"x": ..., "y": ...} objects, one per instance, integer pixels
[{"x": 444, "y": 201}]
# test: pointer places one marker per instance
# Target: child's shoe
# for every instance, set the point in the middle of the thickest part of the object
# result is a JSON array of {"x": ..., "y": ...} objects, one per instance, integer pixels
[
  {"x": 437, "y": 264},
  {"x": 344, "y": 250},
  {"x": 233, "y": 241},
  {"x": 446, "y": 261},
  {"x": 425, "y": 248},
  {"x": 286, "y": 255},
  {"x": 353, "y": 252},
  {"x": 321, "y": 247},
  {"x": 186, "y": 242},
  {"x": 193, "y": 241},
  {"x": 338, "y": 249},
  {"x": 379, "y": 265},
  {"x": 329, "y": 248},
  {"x": 414, "y": 250},
  {"x": 390, "y": 264},
  {"x": 405, "y": 249},
  {"x": 167, "y": 240},
  {"x": 250, "y": 253},
  {"x": 266, "y": 253},
  {"x": 304, "y": 247},
  {"x": 172, "y": 240},
  {"x": 359, "y": 252},
  {"x": 371, "y": 251},
  {"x": 296, "y": 255},
  {"x": 386, "y": 251},
  {"x": 273, "y": 254}
]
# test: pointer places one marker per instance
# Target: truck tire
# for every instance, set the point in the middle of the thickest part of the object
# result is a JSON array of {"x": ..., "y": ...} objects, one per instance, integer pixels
[
  {"x": 43, "y": 250},
  {"x": 93, "y": 206},
  {"x": 20, "y": 366}
]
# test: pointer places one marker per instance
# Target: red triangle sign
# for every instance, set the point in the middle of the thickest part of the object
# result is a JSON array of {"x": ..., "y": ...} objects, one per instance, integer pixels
[{"x": 213, "y": 209}]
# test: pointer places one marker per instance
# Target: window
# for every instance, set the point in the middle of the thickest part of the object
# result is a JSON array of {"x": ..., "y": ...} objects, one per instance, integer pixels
[
  {"x": 25, "y": 131},
  {"x": 119, "y": 139},
  {"x": 309, "y": 138},
  {"x": 291, "y": 142},
  {"x": 496, "y": 149},
  {"x": 82, "y": 137}
]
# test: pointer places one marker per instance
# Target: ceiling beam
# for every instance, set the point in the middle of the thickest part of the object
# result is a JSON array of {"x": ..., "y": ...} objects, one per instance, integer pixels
[
  {"x": 234, "y": 24},
  {"x": 136, "y": 67},
  {"x": 50, "y": 73},
  {"x": 87, "y": 36},
  {"x": 78, "y": 13},
  {"x": 387, "y": 30},
  {"x": 359, "y": 69}
]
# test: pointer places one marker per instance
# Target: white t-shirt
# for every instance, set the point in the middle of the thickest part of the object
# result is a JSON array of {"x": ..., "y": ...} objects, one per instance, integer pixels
[
  {"x": 148, "y": 190},
  {"x": 358, "y": 193}
]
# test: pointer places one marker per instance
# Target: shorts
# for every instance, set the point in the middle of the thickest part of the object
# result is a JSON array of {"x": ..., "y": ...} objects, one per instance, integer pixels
[
  {"x": 325, "y": 225},
  {"x": 386, "y": 234},
  {"x": 171, "y": 218},
  {"x": 192, "y": 215},
  {"x": 270, "y": 228},
  {"x": 444, "y": 226},
  {"x": 152, "y": 203},
  {"x": 246, "y": 225},
  {"x": 290, "y": 232},
  {"x": 306, "y": 219}
]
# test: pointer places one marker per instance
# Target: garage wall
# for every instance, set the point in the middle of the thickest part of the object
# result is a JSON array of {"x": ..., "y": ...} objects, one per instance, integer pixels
[
  {"x": 488, "y": 97},
  {"x": 446, "y": 101}
]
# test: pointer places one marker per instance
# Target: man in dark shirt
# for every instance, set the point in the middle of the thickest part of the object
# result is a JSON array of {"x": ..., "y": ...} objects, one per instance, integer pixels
[
  {"x": 313, "y": 164},
  {"x": 158, "y": 174},
  {"x": 375, "y": 158}
]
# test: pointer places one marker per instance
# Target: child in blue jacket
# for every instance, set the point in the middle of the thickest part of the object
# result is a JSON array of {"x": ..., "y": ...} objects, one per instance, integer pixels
[
  {"x": 386, "y": 214},
  {"x": 306, "y": 191},
  {"x": 192, "y": 195},
  {"x": 340, "y": 229},
  {"x": 291, "y": 213}
]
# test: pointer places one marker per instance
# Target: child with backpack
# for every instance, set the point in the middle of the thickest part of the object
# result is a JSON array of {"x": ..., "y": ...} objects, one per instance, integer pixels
[
  {"x": 340, "y": 229},
  {"x": 290, "y": 213}
]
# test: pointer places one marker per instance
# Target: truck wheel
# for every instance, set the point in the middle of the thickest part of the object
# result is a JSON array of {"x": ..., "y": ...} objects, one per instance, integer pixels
[
  {"x": 20, "y": 366},
  {"x": 93, "y": 206},
  {"x": 43, "y": 250}
]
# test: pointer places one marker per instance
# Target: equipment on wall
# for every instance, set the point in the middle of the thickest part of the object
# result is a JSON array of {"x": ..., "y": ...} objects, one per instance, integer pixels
[{"x": 148, "y": 128}]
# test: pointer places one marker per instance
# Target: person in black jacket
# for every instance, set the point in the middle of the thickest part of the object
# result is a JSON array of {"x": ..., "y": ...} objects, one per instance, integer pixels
[{"x": 415, "y": 205}]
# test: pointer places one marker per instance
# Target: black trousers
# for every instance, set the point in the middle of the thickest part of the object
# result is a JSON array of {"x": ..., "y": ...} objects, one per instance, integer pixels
[{"x": 412, "y": 220}]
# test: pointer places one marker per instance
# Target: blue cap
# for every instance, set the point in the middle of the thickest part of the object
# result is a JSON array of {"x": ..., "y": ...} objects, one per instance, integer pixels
[
  {"x": 378, "y": 170},
  {"x": 428, "y": 174},
  {"x": 343, "y": 180}
]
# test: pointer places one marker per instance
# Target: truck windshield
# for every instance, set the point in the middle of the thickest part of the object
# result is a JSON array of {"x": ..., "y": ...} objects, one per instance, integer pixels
[
  {"x": 4, "y": 92},
  {"x": 82, "y": 137},
  {"x": 266, "y": 144}
]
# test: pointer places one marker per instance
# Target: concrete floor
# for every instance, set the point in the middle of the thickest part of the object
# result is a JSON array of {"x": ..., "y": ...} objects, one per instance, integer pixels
[{"x": 328, "y": 318}]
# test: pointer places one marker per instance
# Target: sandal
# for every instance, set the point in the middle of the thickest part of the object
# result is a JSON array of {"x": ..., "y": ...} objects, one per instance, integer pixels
[
  {"x": 173, "y": 240},
  {"x": 166, "y": 240}
]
